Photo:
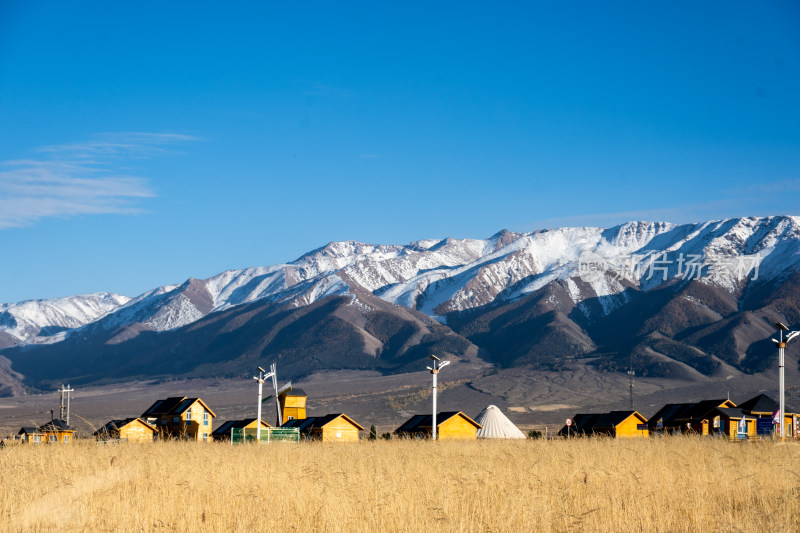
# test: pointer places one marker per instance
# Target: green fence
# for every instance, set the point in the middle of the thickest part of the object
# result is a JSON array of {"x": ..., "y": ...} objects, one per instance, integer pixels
[{"x": 239, "y": 436}]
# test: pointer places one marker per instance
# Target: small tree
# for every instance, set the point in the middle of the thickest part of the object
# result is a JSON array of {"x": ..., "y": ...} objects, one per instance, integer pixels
[
  {"x": 533, "y": 434},
  {"x": 386, "y": 436},
  {"x": 373, "y": 433}
]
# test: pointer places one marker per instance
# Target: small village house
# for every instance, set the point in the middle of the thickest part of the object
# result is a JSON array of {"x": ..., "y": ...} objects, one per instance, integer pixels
[
  {"x": 690, "y": 417},
  {"x": 582, "y": 425},
  {"x": 128, "y": 429},
  {"x": 621, "y": 424},
  {"x": 762, "y": 408},
  {"x": 336, "y": 427},
  {"x": 450, "y": 425},
  {"x": 733, "y": 423},
  {"x": 223, "y": 433},
  {"x": 179, "y": 417},
  {"x": 57, "y": 431},
  {"x": 617, "y": 424},
  {"x": 30, "y": 434},
  {"x": 293, "y": 405}
]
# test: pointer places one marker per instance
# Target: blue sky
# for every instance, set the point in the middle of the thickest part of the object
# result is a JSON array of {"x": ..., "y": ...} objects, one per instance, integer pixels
[{"x": 144, "y": 143}]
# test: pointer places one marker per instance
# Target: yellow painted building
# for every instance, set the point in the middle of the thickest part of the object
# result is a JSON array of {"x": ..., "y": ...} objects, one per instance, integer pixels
[
  {"x": 293, "y": 405},
  {"x": 128, "y": 429},
  {"x": 617, "y": 424},
  {"x": 57, "y": 431},
  {"x": 179, "y": 417},
  {"x": 727, "y": 421},
  {"x": 450, "y": 425},
  {"x": 337, "y": 427},
  {"x": 763, "y": 406},
  {"x": 621, "y": 425},
  {"x": 691, "y": 418}
]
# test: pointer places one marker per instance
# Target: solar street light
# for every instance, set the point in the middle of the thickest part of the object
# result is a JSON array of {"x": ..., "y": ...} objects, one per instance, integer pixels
[
  {"x": 437, "y": 365},
  {"x": 781, "y": 344},
  {"x": 260, "y": 379}
]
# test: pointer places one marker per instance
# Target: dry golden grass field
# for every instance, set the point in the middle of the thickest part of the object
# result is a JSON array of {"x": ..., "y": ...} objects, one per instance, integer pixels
[{"x": 660, "y": 484}]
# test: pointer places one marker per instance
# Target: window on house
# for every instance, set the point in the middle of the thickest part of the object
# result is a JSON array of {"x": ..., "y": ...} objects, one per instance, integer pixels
[
  {"x": 66, "y": 438},
  {"x": 176, "y": 420},
  {"x": 37, "y": 438},
  {"x": 290, "y": 418},
  {"x": 205, "y": 437},
  {"x": 188, "y": 415},
  {"x": 205, "y": 418},
  {"x": 53, "y": 438}
]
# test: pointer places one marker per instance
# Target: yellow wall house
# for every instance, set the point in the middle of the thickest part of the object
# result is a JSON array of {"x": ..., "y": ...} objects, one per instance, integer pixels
[
  {"x": 621, "y": 424},
  {"x": 179, "y": 417},
  {"x": 128, "y": 429},
  {"x": 337, "y": 427},
  {"x": 449, "y": 425},
  {"x": 293, "y": 405},
  {"x": 728, "y": 421},
  {"x": 764, "y": 407},
  {"x": 223, "y": 433},
  {"x": 57, "y": 431},
  {"x": 692, "y": 418},
  {"x": 30, "y": 434}
]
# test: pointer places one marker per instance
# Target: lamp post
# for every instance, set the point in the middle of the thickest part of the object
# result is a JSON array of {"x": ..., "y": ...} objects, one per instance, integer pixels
[
  {"x": 781, "y": 344},
  {"x": 262, "y": 376},
  {"x": 437, "y": 365}
]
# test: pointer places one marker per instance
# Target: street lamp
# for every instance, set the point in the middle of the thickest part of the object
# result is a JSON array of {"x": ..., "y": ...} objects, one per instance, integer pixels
[
  {"x": 781, "y": 344},
  {"x": 262, "y": 376},
  {"x": 437, "y": 365}
]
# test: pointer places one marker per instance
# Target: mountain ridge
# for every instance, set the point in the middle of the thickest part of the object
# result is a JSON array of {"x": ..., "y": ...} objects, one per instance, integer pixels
[{"x": 700, "y": 292}]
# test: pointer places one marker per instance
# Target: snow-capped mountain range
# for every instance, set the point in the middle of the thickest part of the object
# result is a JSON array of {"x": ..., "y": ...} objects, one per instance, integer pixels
[{"x": 438, "y": 277}]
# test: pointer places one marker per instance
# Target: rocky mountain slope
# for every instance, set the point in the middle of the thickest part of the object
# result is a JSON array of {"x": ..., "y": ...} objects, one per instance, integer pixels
[{"x": 692, "y": 300}]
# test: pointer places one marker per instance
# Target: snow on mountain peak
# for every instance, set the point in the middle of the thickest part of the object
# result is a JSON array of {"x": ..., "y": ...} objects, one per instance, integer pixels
[{"x": 447, "y": 275}]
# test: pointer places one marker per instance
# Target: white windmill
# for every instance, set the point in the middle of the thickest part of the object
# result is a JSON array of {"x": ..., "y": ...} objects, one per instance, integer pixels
[{"x": 437, "y": 365}]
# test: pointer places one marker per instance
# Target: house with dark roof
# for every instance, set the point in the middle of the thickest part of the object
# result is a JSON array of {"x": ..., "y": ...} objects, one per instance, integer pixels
[
  {"x": 30, "y": 434},
  {"x": 733, "y": 423},
  {"x": 687, "y": 417},
  {"x": 179, "y": 417},
  {"x": 621, "y": 424},
  {"x": 57, "y": 431},
  {"x": 449, "y": 425},
  {"x": 582, "y": 425},
  {"x": 618, "y": 424},
  {"x": 127, "y": 429},
  {"x": 763, "y": 407},
  {"x": 335, "y": 427},
  {"x": 223, "y": 433}
]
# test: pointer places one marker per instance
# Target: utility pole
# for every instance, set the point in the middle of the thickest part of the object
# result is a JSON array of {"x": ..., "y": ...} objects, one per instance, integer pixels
[
  {"x": 64, "y": 412},
  {"x": 631, "y": 375},
  {"x": 437, "y": 365}
]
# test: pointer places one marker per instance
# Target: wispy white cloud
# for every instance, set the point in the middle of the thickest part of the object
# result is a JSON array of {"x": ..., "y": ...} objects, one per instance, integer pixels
[
  {"x": 126, "y": 144},
  {"x": 79, "y": 178}
]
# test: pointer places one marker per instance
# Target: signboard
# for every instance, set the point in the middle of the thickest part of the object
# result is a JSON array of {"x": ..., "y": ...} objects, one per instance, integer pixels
[
  {"x": 569, "y": 422},
  {"x": 763, "y": 426}
]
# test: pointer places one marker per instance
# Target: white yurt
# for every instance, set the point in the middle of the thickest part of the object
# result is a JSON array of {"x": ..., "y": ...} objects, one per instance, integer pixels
[{"x": 495, "y": 425}]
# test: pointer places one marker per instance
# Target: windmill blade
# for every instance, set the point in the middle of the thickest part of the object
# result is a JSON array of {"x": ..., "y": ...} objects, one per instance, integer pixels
[
  {"x": 267, "y": 398},
  {"x": 285, "y": 388}
]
